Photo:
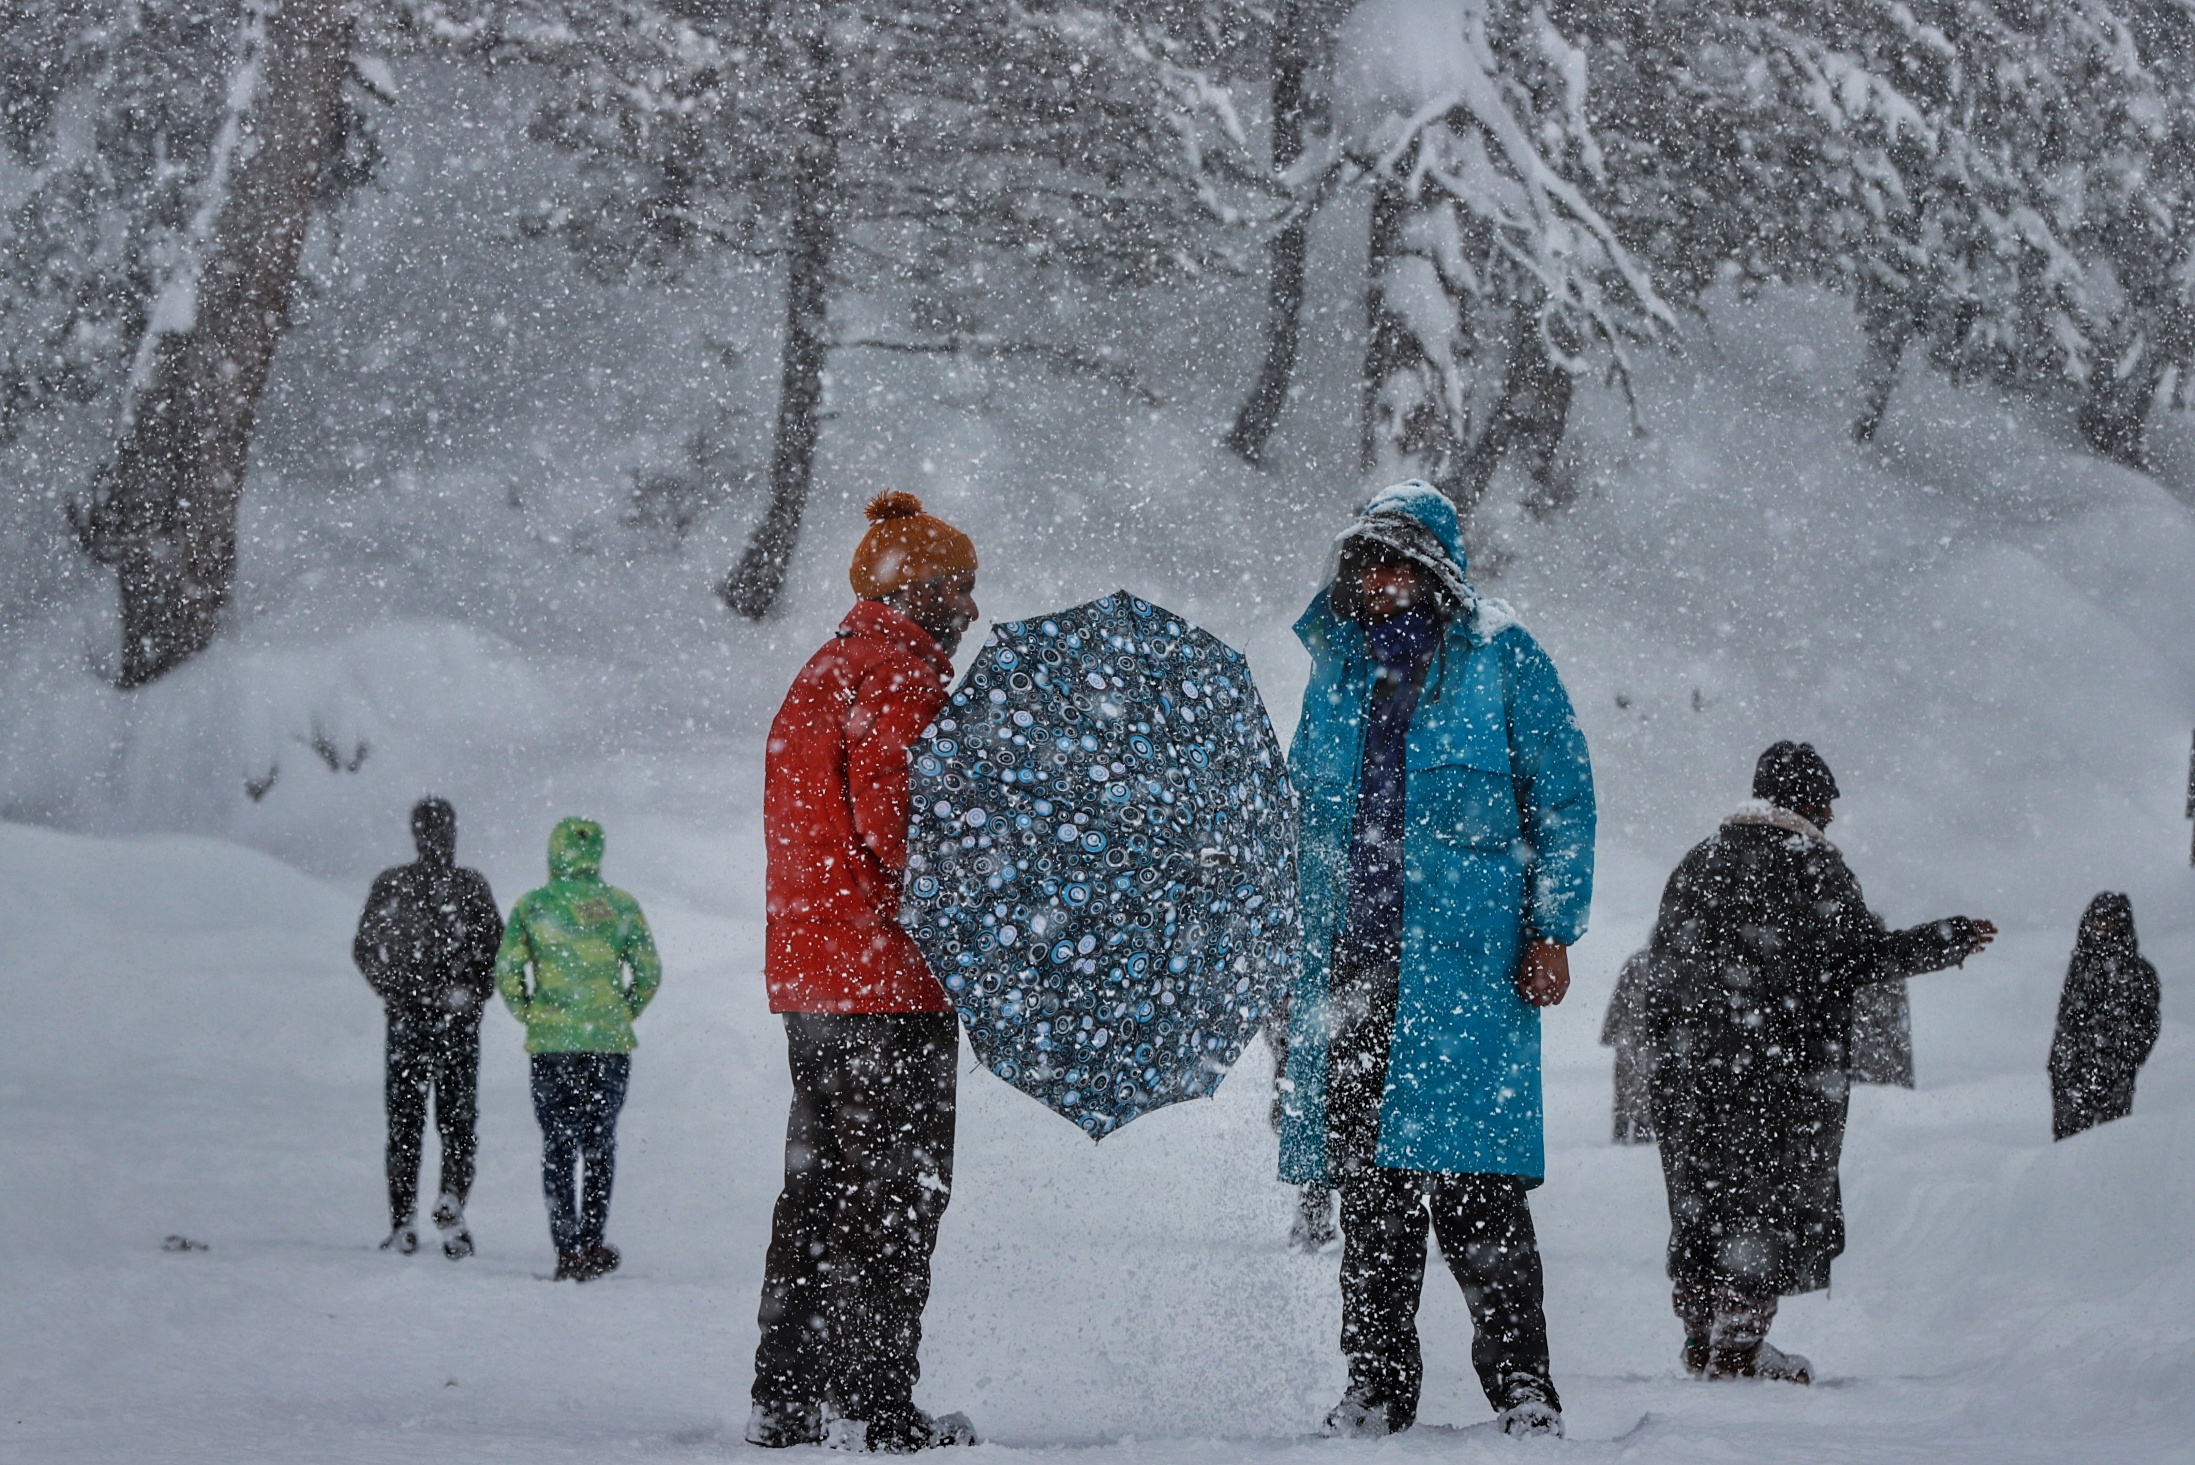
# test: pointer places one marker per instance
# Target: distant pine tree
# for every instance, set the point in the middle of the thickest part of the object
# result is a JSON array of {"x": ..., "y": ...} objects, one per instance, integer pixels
[{"x": 935, "y": 150}]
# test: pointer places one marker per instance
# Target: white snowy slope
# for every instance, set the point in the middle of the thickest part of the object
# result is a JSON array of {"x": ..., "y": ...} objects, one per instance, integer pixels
[{"x": 1989, "y": 635}]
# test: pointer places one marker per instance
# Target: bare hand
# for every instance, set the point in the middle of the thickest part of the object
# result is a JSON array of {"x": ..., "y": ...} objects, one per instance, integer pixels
[
  {"x": 1543, "y": 973},
  {"x": 1984, "y": 932}
]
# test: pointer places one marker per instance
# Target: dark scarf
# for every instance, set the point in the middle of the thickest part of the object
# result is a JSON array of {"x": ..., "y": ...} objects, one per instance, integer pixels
[{"x": 1401, "y": 646}]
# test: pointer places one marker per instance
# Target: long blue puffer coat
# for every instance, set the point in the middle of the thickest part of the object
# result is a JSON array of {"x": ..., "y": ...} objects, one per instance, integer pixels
[{"x": 1498, "y": 809}]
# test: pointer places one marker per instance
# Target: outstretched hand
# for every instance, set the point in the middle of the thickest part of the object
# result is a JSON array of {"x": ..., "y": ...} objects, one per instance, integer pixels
[
  {"x": 1978, "y": 933},
  {"x": 1543, "y": 972}
]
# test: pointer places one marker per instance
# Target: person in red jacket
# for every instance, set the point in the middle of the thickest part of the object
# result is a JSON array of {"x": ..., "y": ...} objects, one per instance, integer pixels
[{"x": 871, "y": 1039}]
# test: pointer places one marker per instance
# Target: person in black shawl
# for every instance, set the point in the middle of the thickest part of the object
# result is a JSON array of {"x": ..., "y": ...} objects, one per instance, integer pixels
[
  {"x": 1765, "y": 937},
  {"x": 2107, "y": 1021}
]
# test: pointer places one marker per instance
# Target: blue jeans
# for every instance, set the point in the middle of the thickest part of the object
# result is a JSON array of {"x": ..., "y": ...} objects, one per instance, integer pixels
[{"x": 577, "y": 1097}]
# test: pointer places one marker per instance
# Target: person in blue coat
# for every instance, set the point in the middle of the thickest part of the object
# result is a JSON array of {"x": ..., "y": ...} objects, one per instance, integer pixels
[{"x": 1446, "y": 858}]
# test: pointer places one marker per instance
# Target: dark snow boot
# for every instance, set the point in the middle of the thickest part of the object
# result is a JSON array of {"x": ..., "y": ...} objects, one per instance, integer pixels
[
  {"x": 571, "y": 1266},
  {"x": 900, "y": 1431},
  {"x": 449, "y": 1219},
  {"x": 778, "y": 1425},
  {"x": 1528, "y": 1407},
  {"x": 403, "y": 1239},
  {"x": 1695, "y": 1356},
  {"x": 1764, "y": 1360},
  {"x": 597, "y": 1261},
  {"x": 1364, "y": 1414}
]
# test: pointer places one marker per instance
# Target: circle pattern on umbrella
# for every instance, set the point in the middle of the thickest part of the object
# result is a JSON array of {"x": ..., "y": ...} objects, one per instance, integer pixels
[{"x": 1101, "y": 863}]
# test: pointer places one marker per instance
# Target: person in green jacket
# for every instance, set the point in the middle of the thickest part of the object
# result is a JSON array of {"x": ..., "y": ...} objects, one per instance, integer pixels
[{"x": 594, "y": 967}]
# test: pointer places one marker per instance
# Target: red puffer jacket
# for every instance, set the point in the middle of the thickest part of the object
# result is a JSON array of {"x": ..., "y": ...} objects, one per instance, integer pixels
[{"x": 834, "y": 815}]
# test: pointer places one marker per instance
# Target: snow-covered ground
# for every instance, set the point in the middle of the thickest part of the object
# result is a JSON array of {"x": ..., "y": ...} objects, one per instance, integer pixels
[
  {"x": 190, "y": 1055},
  {"x": 1990, "y": 636}
]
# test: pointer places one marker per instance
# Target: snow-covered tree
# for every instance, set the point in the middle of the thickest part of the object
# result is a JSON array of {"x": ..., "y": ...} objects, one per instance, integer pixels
[
  {"x": 1299, "y": 54},
  {"x": 872, "y": 145},
  {"x": 1493, "y": 270},
  {"x": 109, "y": 118},
  {"x": 2002, "y": 186},
  {"x": 172, "y": 158}
]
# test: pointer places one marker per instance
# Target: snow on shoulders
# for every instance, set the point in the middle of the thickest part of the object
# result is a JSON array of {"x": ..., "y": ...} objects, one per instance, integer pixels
[{"x": 1490, "y": 617}]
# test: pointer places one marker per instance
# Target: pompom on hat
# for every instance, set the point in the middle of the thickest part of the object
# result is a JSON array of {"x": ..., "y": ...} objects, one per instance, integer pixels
[{"x": 906, "y": 546}]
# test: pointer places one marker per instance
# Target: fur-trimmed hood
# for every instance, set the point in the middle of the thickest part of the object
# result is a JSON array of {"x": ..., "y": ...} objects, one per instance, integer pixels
[{"x": 1760, "y": 811}]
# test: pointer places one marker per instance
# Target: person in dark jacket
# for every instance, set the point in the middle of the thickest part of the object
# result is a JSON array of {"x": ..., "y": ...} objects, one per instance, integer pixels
[
  {"x": 1766, "y": 937},
  {"x": 2107, "y": 1021},
  {"x": 426, "y": 942},
  {"x": 870, "y": 1038}
]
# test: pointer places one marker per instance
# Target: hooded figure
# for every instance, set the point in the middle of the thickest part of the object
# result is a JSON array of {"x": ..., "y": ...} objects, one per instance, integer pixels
[
  {"x": 2107, "y": 1021},
  {"x": 577, "y": 966},
  {"x": 426, "y": 944},
  {"x": 1446, "y": 857},
  {"x": 1765, "y": 937}
]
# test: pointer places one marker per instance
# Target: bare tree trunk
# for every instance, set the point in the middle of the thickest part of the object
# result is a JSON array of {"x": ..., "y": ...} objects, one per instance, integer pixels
[
  {"x": 163, "y": 511},
  {"x": 1530, "y": 418},
  {"x": 1390, "y": 348},
  {"x": 1294, "y": 33},
  {"x": 1886, "y": 326},
  {"x": 754, "y": 584},
  {"x": 2114, "y": 415}
]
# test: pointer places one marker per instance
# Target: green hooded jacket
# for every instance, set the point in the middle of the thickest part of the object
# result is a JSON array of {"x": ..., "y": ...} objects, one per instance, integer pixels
[{"x": 579, "y": 935}]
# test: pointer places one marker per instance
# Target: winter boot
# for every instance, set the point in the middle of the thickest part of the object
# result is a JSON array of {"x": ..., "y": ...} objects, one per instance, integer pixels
[
  {"x": 449, "y": 1219},
  {"x": 1694, "y": 1302},
  {"x": 1363, "y": 1415},
  {"x": 571, "y": 1266},
  {"x": 900, "y": 1431},
  {"x": 1313, "y": 1229},
  {"x": 597, "y": 1261},
  {"x": 403, "y": 1239},
  {"x": 1764, "y": 1360},
  {"x": 1529, "y": 1408},
  {"x": 777, "y": 1425}
]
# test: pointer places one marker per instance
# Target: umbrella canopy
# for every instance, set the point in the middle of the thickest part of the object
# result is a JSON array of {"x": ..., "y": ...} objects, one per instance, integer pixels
[{"x": 1102, "y": 866}]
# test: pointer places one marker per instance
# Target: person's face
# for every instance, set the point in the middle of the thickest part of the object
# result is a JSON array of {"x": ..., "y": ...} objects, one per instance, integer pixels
[
  {"x": 944, "y": 605},
  {"x": 1388, "y": 590},
  {"x": 1818, "y": 817}
]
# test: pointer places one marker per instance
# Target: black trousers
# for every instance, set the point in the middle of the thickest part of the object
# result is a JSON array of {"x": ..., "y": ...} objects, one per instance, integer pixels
[
  {"x": 1482, "y": 1222},
  {"x": 577, "y": 1098},
  {"x": 437, "y": 1054},
  {"x": 868, "y": 1172}
]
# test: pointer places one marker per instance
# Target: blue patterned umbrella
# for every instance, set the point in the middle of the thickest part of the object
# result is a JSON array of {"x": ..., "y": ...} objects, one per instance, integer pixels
[{"x": 1102, "y": 865}]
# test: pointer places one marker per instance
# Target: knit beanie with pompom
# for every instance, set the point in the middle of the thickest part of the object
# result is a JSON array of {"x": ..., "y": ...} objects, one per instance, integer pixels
[{"x": 905, "y": 546}]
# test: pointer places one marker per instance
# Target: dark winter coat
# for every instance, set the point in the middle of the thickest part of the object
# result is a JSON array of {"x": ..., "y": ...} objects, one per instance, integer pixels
[
  {"x": 2107, "y": 1021},
  {"x": 428, "y": 937},
  {"x": 1882, "y": 1035},
  {"x": 1766, "y": 937}
]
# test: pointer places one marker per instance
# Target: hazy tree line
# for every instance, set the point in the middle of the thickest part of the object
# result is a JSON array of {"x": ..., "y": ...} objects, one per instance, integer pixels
[{"x": 2005, "y": 189}]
